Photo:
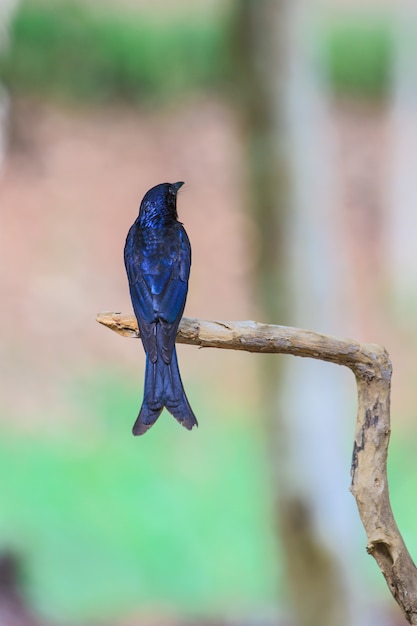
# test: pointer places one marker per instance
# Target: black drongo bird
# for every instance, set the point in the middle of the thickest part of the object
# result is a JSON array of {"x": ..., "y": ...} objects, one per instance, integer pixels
[{"x": 158, "y": 259}]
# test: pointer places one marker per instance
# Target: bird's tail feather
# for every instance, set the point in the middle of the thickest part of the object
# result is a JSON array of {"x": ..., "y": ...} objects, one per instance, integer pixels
[{"x": 163, "y": 387}]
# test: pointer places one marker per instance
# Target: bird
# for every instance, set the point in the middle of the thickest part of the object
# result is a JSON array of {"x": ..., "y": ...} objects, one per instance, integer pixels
[{"x": 157, "y": 257}]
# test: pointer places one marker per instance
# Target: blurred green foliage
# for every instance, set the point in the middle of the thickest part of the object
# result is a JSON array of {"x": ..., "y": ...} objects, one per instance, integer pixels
[
  {"x": 81, "y": 53},
  {"x": 358, "y": 55},
  {"x": 107, "y": 523}
]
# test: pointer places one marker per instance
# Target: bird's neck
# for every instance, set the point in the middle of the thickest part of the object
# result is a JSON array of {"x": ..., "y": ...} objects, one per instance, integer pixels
[
  {"x": 155, "y": 221},
  {"x": 157, "y": 217}
]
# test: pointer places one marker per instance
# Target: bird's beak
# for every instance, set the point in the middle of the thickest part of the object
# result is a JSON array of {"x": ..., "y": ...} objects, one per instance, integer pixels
[{"x": 177, "y": 186}]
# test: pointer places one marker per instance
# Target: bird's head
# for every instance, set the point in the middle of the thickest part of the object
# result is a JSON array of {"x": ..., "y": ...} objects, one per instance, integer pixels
[{"x": 159, "y": 205}]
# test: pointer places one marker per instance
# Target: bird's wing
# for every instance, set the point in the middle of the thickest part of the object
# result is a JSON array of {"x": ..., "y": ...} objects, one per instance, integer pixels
[
  {"x": 141, "y": 296},
  {"x": 170, "y": 312},
  {"x": 143, "y": 308},
  {"x": 169, "y": 289}
]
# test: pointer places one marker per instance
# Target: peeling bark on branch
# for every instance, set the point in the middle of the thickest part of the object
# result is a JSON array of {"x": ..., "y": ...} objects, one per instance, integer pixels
[{"x": 372, "y": 369}]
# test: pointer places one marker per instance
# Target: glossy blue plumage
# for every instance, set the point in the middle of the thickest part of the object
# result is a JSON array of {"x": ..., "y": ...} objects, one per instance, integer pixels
[{"x": 158, "y": 259}]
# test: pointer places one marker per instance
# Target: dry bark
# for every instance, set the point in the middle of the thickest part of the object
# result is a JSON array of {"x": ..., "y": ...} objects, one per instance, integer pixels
[{"x": 371, "y": 366}]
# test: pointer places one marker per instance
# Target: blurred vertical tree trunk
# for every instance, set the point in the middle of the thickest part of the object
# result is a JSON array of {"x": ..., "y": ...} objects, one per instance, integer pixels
[
  {"x": 266, "y": 37},
  {"x": 262, "y": 56},
  {"x": 7, "y": 8}
]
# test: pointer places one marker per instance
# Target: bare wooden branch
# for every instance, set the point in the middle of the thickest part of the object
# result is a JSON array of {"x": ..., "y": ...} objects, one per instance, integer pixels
[{"x": 372, "y": 368}]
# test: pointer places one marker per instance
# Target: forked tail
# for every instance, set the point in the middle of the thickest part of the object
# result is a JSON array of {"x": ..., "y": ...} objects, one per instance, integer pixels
[{"x": 163, "y": 388}]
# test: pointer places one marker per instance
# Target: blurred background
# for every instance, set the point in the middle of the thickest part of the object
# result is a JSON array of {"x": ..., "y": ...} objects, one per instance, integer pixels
[{"x": 294, "y": 126}]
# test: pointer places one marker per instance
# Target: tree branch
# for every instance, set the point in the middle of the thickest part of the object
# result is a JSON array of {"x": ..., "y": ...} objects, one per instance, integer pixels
[{"x": 372, "y": 369}]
